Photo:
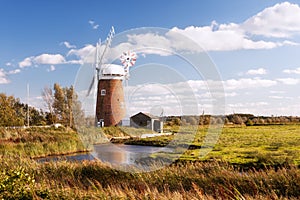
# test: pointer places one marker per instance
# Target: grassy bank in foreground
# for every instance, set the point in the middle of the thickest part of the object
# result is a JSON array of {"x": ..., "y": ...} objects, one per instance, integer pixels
[
  {"x": 26, "y": 179},
  {"x": 38, "y": 142}
]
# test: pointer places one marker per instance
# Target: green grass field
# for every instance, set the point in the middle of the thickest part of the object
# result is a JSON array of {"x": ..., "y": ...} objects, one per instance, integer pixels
[
  {"x": 239, "y": 145},
  {"x": 270, "y": 145}
]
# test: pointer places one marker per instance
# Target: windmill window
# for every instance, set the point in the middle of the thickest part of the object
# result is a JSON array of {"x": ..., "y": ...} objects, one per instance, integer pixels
[{"x": 103, "y": 92}]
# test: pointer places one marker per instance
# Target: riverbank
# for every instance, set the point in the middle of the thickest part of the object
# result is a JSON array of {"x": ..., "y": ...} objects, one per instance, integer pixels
[{"x": 37, "y": 142}]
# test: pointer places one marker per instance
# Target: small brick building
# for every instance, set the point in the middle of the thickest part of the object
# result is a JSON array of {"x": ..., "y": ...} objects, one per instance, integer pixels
[{"x": 146, "y": 120}]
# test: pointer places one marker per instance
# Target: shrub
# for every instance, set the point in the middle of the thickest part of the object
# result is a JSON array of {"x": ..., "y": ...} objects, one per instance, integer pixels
[{"x": 16, "y": 184}]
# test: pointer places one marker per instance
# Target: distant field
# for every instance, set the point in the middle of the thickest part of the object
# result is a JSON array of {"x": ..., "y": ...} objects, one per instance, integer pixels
[{"x": 243, "y": 145}]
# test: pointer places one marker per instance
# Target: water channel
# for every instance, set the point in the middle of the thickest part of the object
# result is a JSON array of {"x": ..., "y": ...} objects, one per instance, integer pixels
[{"x": 115, "y": 154}]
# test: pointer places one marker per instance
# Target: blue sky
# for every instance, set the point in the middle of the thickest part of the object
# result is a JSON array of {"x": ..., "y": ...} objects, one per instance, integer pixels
[{"x": 254, "y": 44}]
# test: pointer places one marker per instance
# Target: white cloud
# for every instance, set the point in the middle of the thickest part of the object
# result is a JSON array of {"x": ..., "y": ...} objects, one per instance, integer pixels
[
  {"x": 51, "y": 69},
  {"x": 93, "y": 24},
  {"x": 8, "y": 64},
  {"x": 257, "y": 107},
  {"x": 245, "y": 83},
  {"x": 3, "y": 78},
  {"x": 225, "y": 38},
  {"x": 228, "y": 85},
  {"x": 292, "y": 71},
  {"x": 289, "y": 81},
  {"x": 77, "y": 62},
  {"x": 172, "y": 95},
  {"x": 82, "y": 52},
  {"x": 280, "y": 97},
  {"x": 282, "y": 21},
  {"x": 26, "y": 62},
  {"x": 16, "y": 71},
  {"x": 276, "y": 97},
  {"x": 259, "y": 71},
  {"x": 277, "y": 92},
  {"x": 248, "y": 104},
  {"x": 68, "y": 45},
  {"x": 140, "y": 41},
  {"x": 3, "y": 75},
  {"x": 51, "y": 59}
]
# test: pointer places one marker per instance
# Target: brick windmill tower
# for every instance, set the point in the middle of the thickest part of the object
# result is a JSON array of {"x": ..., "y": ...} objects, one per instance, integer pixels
[{"x": 110, "y": 104}]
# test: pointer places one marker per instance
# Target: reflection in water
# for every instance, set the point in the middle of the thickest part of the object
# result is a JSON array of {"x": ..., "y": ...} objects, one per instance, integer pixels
[
  {"x": 116, "y": 155},
  {"x": 124, "y": 154}
]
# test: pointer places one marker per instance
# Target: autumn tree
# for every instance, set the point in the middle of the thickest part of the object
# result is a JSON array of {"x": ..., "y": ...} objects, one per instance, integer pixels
[
  {"x": 48, "y": 98},
  {"x": 65, "y": 105},
  {"x": 59, "y": 103},
  {"x": 8, "y": 114},
  {"x": 14, "y": 113}
]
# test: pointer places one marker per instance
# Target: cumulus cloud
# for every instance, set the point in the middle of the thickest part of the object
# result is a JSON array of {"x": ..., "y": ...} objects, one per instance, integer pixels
[
  {"x": 164, "y": 95},
  {"x": 259, "y": 71},
  {"x": 248, "y": 104},
  {"x": 289, "y": 81},
  {"x": 82, "y": 52},
  {"x": 51, "y": 69},
  {"x": 292, "y": 71},
  {"x": 246, "y": 83},
  {"x": 68, "y": 45},
  {"x": 26, "y": 62},
  {"x": 8, "y": 64},
  {"x": 280, "y": 97},
  {"x": 47, "y": 59},
  {"x": 16, "y": 71},
  {"x": 3, "y": 75},
  {"x": 281, "y": 21},
  {"x": 93, "y": 24},
  {"x": 226, "y": 37},
  {"x": 277, "y": 92},
  {"x": 144, "y": 97},
  {"x": 51, "y": 59},
  {"x": 3, "y": 78}
]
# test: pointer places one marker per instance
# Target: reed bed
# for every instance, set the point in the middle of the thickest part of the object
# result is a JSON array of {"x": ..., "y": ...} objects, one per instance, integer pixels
[{"x": 27, "y": 179}]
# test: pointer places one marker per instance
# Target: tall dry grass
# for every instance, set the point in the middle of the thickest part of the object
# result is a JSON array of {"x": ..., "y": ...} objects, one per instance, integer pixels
[{"x": 199, "y": 180}]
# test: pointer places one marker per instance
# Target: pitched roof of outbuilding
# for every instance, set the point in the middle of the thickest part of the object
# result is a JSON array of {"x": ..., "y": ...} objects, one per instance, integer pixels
[{"x": 146, "y": 114}]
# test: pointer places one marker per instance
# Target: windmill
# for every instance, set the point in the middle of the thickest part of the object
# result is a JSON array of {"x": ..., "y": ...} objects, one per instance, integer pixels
[{"x": 110, "y": 104}]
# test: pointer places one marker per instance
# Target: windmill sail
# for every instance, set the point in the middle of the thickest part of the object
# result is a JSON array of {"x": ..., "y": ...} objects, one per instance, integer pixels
[
  {"x": 96, "y": 67},
  {"x": 98, "y": 58}
]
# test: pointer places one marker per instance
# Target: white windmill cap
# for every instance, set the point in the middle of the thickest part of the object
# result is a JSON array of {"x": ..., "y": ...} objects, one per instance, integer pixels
[{"x": 113, "y": 69}]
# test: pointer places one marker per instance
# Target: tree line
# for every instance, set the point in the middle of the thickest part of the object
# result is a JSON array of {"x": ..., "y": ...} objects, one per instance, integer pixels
[
  {"x": 61, "y": 103},
  {"x": 234, "y": 119},
  {"x": 14, "y": 113}
]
